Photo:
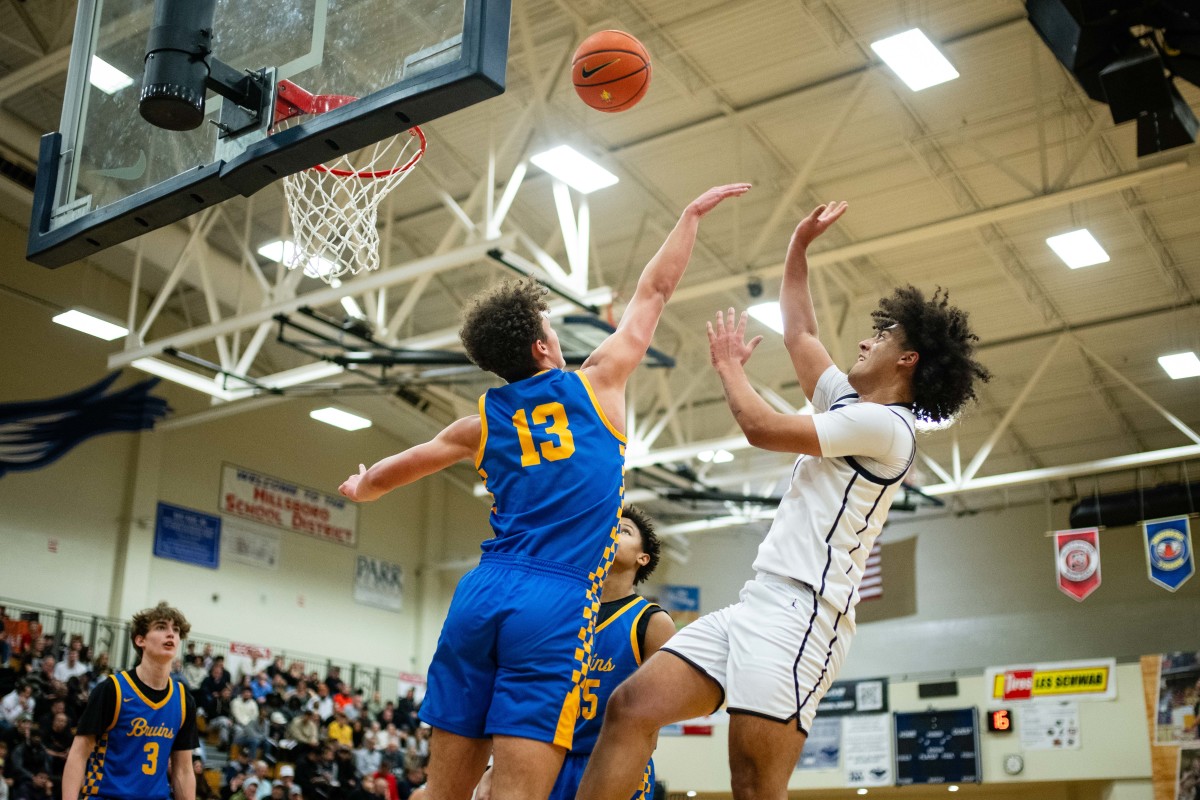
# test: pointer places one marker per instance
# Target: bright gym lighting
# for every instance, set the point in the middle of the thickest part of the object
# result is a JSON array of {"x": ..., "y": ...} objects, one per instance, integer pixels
[
  {"x": 183, "y": 377},
  {"x": 861, "y": 791},
  {"x": 1078, "y": 248},
  {"x": 691, "y": 793},
  {"x": 340, "y": 419},
  {"x": 952, "y": 788},
  {"x": 715, "y": 457},
  {"x": 284, "y": 251},
  {"x": 915, "y": 59},
  {"x": 768, "y": 314},
  {"x": 1181, "y": 365},
  {"x": 89, "y": 322},
  {"x": 107, "y": 78},
  {"x": 574, "y": 169}
]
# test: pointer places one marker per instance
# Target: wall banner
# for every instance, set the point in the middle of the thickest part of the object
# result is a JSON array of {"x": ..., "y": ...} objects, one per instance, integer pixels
[
  {"x": 1077, "y": 558},
  {"x": 1169, "y": 551},
  {"x": 187, "y": 535},
  {"x": 378, "y": 583},
  {"x": 282, "y": 504},
  {"x": 1063, "y": 680}
]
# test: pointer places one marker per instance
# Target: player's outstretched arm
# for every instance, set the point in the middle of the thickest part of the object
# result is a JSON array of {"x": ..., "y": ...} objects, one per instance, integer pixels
[
  {"x": 72, "y": 778},
  {"x": 459, "y": 441},
  {"x": 183, "y": 775},
  {"x": 800, "y": 335},
  {"x": 611, "y": 364},
  {"x": 763, "y": 426}
]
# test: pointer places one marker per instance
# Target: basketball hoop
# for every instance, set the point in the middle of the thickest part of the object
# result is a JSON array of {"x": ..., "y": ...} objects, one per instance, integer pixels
[{"x": 334, "y": 206}]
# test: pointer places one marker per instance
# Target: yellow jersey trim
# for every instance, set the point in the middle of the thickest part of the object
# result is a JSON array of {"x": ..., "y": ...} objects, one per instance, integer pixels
[
  {"x": 117, "y": 710},
  {"x": 633, "y": 640},
  {"x": 182, "y": 707},
  {"x": 600, "y": 411},
  {"x": 146, "y": 700},
  {"x": 483, "y": 433},
  {"x": 622, "y": 610}
]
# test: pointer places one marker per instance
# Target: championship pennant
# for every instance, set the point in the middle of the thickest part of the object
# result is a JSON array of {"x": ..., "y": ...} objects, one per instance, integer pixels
[
  {"x": 1077, "y": 555},
  {"x": 1169, "y": 551}
]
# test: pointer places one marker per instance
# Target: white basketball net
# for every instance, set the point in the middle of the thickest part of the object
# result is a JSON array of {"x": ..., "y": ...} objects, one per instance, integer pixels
[{"x": 334, "y": 206}]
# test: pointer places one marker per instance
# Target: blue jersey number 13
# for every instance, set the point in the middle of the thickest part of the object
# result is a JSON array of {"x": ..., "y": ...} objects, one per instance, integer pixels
[{"x": 556, "y": 415}]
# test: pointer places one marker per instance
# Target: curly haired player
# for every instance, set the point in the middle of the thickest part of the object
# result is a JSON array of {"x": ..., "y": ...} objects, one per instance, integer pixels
[
  {"x": 514, "y": 650},
  {"x": 772, "y": 655}
]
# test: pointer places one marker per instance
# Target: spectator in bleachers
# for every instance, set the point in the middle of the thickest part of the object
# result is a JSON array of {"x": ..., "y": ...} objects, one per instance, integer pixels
[
  {"x": 262, "y": 771},
  {"x": 43, "y": 678},
  {"x": 339, "y": 731},
  {"x": 334, "y": 679},
  {"x": 287, "y": 779},
  {"x": 243, "y": 710},
  {"x": 5, "y": 781},
  {"x": 216, "y": 680},
  {"x": 417, "y": 747},
  {"x": 322, "y": 703},
  {"x": 365, "y": 789},
  {"x": 194, "y": 672},
  {"x": 345, "y": 771},
  {"x": 413, "y": 779},
  {"x": 208, "y": 657},
  {"x": 315, "y": 774},
  {"x": 218, "y": 712},
  {"x": 100, "y": 671},
  {"x": 275, "y": 668},
  {"x": 39, "y": 787},
  {"x": 406, "y": 710},
  {"x": 366, "y": 757},
  {"x": 27, "y": 755},
  {"x": 254, "y": 737},
  {"x": 204, "y": 790},
  {"x": 373, "y": 706},
  {"x": 305, "y": 730},
  {"x": 387, "y": 716},
  {"x": 57, "y": 742},
  {"x": 248, "y": 790},
  {"x": 295, "y": 674},
  {"x": 392, "y": 757},
  {"x": 238, "y": 764},
  {"x": 71, "y": 667},
  {"x": 44, "y": 719},
  {"x": 77, "y": 691},
  {"x": 17, "y": 702}
]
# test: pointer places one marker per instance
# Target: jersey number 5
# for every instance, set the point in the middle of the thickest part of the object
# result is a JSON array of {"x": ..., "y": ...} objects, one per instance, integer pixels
[
  {"x": 588, "y": 708},
  {"x": 556, "y": 415},
  {"x": 151, "y": 765}
]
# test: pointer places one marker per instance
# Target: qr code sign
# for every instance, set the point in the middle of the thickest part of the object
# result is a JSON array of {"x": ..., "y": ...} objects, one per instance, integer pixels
[{"x": 868, "y": 695}]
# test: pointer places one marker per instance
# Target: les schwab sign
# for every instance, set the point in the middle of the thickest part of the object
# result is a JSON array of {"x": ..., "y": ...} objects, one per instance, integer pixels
[{"x": 1064, "y": 680}]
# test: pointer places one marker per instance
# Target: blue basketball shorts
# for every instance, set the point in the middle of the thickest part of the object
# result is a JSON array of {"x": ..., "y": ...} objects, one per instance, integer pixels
[
  {"x": 512, "y": 651},
  {"x": 572, "y": 773}
]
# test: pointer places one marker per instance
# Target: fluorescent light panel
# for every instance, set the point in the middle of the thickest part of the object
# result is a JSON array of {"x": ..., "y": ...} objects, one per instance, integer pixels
[
  {"x": 1078, "y": 248},
  {"x": 107, "y": 78},
  {"x": 340, "y": 419},
  {"x": 915, "y": 59},
  {"x": 1181, "y": 365},
  {"x": 768, "y": 314},
  {"x": 90, "y": 323},
  {"x": 574, "y": 169}
]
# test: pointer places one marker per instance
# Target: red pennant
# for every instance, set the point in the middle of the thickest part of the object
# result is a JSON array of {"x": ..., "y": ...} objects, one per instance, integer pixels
[{"x": 1077, "y": 556}]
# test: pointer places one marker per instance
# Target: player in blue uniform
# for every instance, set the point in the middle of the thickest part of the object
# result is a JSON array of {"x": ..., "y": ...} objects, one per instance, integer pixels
[
  {"x": 550, "y": 447},
  {"x": 135, "y": 737},
  {"x": 629, "y": 629}
]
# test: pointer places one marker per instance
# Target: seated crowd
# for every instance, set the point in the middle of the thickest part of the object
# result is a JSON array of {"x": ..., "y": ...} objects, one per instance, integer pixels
[{"x": 281, "y": 734}]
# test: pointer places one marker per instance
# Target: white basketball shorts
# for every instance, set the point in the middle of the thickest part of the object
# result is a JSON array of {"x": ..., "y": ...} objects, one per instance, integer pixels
[{"x": 774, "y": 653}]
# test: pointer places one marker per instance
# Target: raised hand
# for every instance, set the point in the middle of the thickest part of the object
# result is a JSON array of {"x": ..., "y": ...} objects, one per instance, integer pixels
[
  {"x": 727, "y": 344},
  {"x": 349, "y": 487},
  {"x": 710, "y": 199},
  {"x": 818, "y": 221}
]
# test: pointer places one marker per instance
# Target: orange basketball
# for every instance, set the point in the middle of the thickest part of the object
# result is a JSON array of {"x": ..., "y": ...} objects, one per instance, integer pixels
[{"x": 611, "y": 71}]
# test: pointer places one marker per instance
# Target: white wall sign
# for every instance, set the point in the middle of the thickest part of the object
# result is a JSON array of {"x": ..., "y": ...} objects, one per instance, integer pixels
[
  {"x": 867, "y": 749},
  {"x": 283, "y": 504},
  {"x": 378, "y": 583},
  {"x": 1049, "y": 726},
  {"x": 249, "y": 543}
]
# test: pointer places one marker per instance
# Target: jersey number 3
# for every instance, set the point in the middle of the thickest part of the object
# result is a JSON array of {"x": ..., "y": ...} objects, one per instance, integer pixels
[
  {"x": 151, "y": 765},
  {"x": 556, "y": 415}
]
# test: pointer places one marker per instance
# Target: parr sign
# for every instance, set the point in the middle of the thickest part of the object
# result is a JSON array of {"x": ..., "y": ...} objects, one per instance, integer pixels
[{"x": 1083, "y": 680}]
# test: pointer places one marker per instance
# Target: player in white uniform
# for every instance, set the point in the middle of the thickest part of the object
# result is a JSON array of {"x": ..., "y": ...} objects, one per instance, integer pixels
[{"x": 772, "y": 655}]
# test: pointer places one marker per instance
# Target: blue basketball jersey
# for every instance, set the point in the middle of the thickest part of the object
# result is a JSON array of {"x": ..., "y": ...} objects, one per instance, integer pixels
[
  {"x": 616, "y": 653},
  {"x": 131, "y": 761},
  {"x": 555, "y": 468}
]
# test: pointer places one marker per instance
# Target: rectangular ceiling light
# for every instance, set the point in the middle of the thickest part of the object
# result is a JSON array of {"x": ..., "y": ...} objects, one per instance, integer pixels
[
  {"x": 340, "y": 419},
  {"x": 1078, "y": 249},
  {"x": 284, "y": 252},
  {"x": 574, "y": 169},
  {"x": 768, "y": 314},
  {"x": 915, "y": 59},
  {"x": 1181, "y": 365},
  {"x": 107, "y": 78},
  {"x": 91, "y": 323}
]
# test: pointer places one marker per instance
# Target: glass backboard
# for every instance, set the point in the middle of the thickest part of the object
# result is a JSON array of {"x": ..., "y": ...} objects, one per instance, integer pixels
[{"x": 109, "y": 175}]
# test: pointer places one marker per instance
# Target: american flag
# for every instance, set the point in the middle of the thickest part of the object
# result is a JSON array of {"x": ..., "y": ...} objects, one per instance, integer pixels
[{"x": 872, "y": 582}]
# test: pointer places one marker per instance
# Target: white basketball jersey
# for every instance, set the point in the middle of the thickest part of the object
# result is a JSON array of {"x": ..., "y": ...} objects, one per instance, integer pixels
[{"x": 836, "y": 504}]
